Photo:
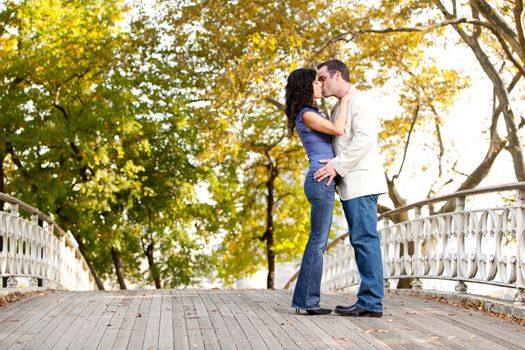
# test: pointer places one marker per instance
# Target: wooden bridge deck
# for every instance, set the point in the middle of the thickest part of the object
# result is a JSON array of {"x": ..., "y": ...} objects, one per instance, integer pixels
[{"x": 240, "y": 319}]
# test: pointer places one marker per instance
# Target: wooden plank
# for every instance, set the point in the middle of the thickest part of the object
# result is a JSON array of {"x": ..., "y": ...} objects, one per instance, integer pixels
[
  {"x": 31, "y": 337},
  {"x": 136, "y": 339},
  {"x": 127, "y": 325},
  {"x": 416, "y": 326},
  {"x": 251, "y": 333},
  {"x": 69, "y": 332},
  {"x": 192, "y": 321},
  {"x": 166, "y": 322},
  {"x": 151, "y": 337},
  {"x": 15, "y": 330},
  {"x": 180, "y": 334},
  {"x": 239, "y": 338},
  {"x": 11, "y": 313},
  {"x": 502, "y": 333},
  {"x": 284, "y": 332},
  {"x": 109, "y": 336},
  {"x": 48, "y": 335},
  {"x": 374, "y": 333},
  {"x": 219, "y": 325},
  {"x": 101, "y": 307},
  {"x": 392, "y": 332},
  {"x": 306, "y": 325},
  {"x": 456, "y": 337},
  {"x": 247, "y": 303},
  {"x": 101, "y": 326},
  {"x": 347, "y": 333},
  {"x": 16, "y": 307},
  {"x": 209, "y": 337},
  {"x": 283, "y": 312},
  {"x": 242, "y": 319}
]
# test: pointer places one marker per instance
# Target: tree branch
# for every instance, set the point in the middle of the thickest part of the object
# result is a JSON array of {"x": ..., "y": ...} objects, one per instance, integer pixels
[
  {"x": 519, "y": 19},
  {"x": 347, "y": 36},
  {"x": 276, "y": 103},
  {"x": 343, "y": 36},
  {"x": 281, "y": 197},
  {"x": 11, "y": 150},
  {"x": 414, "y": 118},
  {"x": 497, "y": 22}
]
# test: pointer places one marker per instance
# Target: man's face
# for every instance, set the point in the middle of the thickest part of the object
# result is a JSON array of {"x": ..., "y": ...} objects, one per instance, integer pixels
[{"x": 329, "y": 82}]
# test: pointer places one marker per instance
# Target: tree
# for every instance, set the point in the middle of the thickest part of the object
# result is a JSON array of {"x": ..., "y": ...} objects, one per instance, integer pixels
[{"x": 81, "y": 101}]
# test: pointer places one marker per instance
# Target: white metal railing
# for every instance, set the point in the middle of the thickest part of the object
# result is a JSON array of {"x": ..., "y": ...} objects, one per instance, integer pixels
[
  {"x": 479, "y": 245},
  {"x": 42, "y": 252}
]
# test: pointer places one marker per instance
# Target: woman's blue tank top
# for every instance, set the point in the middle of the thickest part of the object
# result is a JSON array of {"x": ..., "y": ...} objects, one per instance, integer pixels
[{"x": 317, "y": 145}]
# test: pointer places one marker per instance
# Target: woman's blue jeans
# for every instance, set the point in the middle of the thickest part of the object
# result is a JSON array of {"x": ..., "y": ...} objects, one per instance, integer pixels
[
  {"x": 361, "y": 215},
  {"x": 307, "y": 293}
]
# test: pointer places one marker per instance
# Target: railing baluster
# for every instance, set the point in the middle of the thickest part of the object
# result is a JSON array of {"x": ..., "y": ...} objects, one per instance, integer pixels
[{"x": 31, "y": 251}]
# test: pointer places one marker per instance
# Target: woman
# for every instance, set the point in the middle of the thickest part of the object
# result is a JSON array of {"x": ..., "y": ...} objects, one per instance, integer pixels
[{"x": 316, "y": 133}]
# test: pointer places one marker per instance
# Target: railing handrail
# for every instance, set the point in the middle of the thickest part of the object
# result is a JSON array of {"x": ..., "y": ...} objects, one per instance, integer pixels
[
  {"x": 446, "y": 197},
  {"x": 33, "y": 211}
]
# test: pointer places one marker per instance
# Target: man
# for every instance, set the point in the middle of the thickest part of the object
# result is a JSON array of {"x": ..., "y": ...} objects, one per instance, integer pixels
[{"x": 359, "y": 165}]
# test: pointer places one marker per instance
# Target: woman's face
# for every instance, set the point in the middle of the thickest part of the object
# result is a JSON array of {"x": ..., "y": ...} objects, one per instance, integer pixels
[{"x": 318, "y": 89}]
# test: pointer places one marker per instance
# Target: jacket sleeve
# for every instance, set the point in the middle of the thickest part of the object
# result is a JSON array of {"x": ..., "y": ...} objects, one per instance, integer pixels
[{"x": 364, "y": 134}]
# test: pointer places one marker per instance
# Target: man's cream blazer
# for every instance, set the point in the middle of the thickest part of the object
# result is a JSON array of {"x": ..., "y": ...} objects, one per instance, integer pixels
[{"x": 358, "y": 160}]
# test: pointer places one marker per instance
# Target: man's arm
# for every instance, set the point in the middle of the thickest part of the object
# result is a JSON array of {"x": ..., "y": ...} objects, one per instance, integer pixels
[{"x": 364, "y": 136}]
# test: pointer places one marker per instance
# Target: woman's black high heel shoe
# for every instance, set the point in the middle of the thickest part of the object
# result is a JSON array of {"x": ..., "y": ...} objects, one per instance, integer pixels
[{"x": 320, "y": 311}]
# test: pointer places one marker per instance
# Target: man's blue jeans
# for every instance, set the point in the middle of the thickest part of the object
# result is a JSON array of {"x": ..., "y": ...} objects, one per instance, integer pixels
[
  {"x": 307, "y": 293},
  {"x": 361, "y": 215}
]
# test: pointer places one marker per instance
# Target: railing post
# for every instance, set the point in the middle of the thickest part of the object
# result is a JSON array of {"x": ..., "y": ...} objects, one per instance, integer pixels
[
  {"x": 461, "y": 286},
  {"x": 12, "y": 282},
  {"x": 460, "y": 204},
  {"x": 13, "y": 209},
  {"x": 416, "y": 282},
  {"x": 384, "y": 242},
  {"x": 519, "y": 297}
]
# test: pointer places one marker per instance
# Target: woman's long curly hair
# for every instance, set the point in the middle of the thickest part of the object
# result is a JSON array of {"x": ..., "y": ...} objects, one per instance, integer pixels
[{"x": 299, "y": 94}]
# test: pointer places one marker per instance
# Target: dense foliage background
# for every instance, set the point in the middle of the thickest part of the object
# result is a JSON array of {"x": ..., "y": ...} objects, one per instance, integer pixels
[{"x": 154, "y": 130}]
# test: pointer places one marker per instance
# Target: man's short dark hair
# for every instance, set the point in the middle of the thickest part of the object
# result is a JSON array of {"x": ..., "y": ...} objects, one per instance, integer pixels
[{"x": 336, "y": 66}]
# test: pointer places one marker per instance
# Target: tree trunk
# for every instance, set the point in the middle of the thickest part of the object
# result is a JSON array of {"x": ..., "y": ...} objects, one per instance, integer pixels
[
  {"x": 2, "y": 189},
  {"x": 118, "y": 268},
  {"x": 270, "y": 281},
  {"x": 82, "y": 248},
  {"x": 397, "y": 200},
  {"x": 2, "y": 179},
  {"x": 152, "y": 266},
  {"x": 2, "y": 175}
]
